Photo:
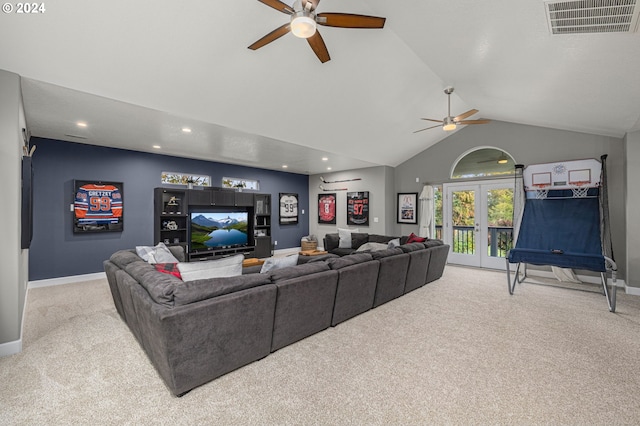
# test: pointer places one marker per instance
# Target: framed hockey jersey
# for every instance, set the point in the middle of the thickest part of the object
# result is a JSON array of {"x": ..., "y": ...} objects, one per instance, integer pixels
[{"x": 97, "y": 206}]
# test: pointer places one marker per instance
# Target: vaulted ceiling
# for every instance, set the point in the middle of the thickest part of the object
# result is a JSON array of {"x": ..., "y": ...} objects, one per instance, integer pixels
[{"x": 138, "y": 72}]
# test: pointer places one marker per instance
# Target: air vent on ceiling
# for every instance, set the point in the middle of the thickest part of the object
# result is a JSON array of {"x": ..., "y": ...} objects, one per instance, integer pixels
[{"x": 592, "y": 16}]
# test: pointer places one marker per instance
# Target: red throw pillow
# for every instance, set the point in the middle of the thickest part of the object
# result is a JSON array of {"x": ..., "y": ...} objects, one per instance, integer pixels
[
  {"x": 413, "y": 238},
  {"x": 168, "y": 268}
]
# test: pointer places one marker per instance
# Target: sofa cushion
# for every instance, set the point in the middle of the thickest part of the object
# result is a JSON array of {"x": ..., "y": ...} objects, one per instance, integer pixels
[
  {"x": 351, "y": 259},
  {"x": 168, "y": 268},
  {"x": 394, "y": 243},
  {"x": 156, "y": 254},
  {"x": 331, "y": 241},
  {"x": 195, "y": 291},
  {"x": 413, "y": 238},
  {"x": 407, "y": 248},
  {"x": 124, "y": 257},
  {"x": 372, "y": 247},
  {"x": 386, "y": 253},
  {"x": 274, "y": 263},
  {"x": 358, "y": 239},
  {"x": 433, "y": 243},
  {"x": 298, "y": 271},
  {"x": 159, "y": 286},
  {"x": 376, "y": 238},
  {"x": 225, "y": 267}
]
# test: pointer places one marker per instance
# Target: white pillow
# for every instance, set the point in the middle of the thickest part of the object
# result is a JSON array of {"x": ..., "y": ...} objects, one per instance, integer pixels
[
  {"x": 274, "y": 263},
  {"x": 394, "y": 243},
  {"x": 225, "y": 267},
  {"x": 345, "y": 237},
  {"x": 157, "y": 254}
]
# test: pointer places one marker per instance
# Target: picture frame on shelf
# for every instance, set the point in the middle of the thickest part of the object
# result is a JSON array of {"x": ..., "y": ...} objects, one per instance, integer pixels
[
  {"x": 288, "y": 203},
  {"x": 407, "y": 208},
  {"x": 98, "y": 206}
]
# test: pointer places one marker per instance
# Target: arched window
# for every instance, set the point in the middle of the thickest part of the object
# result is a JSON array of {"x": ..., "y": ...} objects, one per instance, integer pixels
[{"x": 483, "y": 162}]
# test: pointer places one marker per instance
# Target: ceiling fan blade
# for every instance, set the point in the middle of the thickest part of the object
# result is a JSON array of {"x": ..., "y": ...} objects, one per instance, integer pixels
[
  {"x": 317, "y": 44},
  {"x": 279, "y": 6},
  {"x": 314, "y": 4},
  {"x": 273, "y": 35},
  {"x": 431, "y": 119},
  {"x": 465, "y": 115},
  {"x": 473, "y": 122},
  {"x": 348, "y": 20},
  {"x": 432, "y": 127}
]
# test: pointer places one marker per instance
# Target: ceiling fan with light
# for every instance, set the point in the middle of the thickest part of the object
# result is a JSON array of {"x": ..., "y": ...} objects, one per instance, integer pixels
[
  {"x": 450, "y": 123},
  {"x": 304, "y": 21}
]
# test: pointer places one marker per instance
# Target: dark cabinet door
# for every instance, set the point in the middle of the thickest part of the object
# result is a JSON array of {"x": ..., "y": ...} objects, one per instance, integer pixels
[
  {"x": 223, "y": 198},
  {"x": 200, "y": 197},
  {"x": 244, "y": 199}
]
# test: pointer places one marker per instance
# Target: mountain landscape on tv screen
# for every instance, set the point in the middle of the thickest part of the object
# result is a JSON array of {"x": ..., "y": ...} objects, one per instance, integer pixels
[{"x": 218, "y": 230}]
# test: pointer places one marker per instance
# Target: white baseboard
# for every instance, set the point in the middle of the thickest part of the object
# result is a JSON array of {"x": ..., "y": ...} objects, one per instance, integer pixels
[
  {"x": 635, "y": 291},
  {"x": 10, "y": 348},
  {"x": 66, "y": 280}
]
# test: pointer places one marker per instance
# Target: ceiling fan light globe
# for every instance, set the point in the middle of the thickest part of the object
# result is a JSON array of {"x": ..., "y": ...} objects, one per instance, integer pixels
[
  {"x": 303, "y": 25},
  {"x": 448, "y": 124},
  {"x": 503, "y": 161}
]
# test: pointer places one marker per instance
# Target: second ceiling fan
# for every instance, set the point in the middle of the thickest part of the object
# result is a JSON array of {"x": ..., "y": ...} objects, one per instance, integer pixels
[
  {"x": 450, "y": 123},
  {"x": 303, "y": 24}
]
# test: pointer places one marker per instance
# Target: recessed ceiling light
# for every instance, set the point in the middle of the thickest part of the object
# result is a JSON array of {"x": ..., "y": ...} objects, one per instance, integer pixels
[
  {"x": 81, "y": 124},
  {"x": 284, "y": 166},
  {"x": 325, "y": 158},
  {"x": 186, "y": 130},
  {"x": 328, "y": 168},
  {"x": 157, "y": 146}
]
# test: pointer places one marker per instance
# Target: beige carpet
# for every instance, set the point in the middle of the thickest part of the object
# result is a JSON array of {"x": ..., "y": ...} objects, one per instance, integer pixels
[{"x": 457, "y": 351}]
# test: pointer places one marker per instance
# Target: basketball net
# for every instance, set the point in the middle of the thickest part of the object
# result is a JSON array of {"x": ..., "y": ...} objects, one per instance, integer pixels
[
  {"x": 542, "y": 190},
  {"x": 579, "y": 189}
]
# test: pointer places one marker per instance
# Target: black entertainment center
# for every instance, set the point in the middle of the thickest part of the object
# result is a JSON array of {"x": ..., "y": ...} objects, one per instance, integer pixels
[{"x": 213, "y": 222}]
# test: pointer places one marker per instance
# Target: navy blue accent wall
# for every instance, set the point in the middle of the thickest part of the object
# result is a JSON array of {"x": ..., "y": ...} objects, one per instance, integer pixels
[{"x": 57, "y": 252}]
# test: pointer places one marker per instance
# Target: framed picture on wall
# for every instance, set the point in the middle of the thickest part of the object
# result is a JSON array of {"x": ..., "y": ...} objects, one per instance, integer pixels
[
  {"x": 98, "y": 206},
  {"x": 288, "y": 208},
  {"x": 358, "y": 208},
  {"x": 327, "y": 209},
  {"x": 407, "y": 207}
]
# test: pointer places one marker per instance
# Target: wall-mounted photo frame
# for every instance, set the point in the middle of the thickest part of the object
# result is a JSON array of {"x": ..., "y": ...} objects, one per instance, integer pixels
[
  {"x": 98, "y": 206},
  {"x": 327, "y": 209},
  {"x": 407, "y": 207},
  {"x": 288, "y": 208},
  {"x": 358, "y": 208}
]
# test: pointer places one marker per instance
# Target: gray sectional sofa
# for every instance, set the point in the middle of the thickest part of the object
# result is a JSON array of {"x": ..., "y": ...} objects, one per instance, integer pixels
[{"x": 196, "y": 331}]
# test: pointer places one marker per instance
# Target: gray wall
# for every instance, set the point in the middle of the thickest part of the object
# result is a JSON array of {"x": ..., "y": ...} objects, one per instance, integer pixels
[
  {"x": 632, "y": 157},
  {"x": 527, "y": 145},
  {"x": 13, "y": 280},
  {"x": 377, "y": 180}
]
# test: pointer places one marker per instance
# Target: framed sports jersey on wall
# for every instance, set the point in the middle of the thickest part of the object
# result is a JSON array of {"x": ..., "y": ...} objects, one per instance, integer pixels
[
  {"x": 288, "y": 208},
  {"x": 358, "y": 208},
  {"x": 327, "y": 209},
  {"x": 97, "y": 206}
]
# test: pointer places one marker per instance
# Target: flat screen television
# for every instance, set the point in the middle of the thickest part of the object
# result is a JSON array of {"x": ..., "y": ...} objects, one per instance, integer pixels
[{"x": 212, "y": 230}]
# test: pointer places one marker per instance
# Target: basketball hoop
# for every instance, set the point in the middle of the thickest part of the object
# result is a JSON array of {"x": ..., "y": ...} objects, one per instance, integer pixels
[
  {"x": 542, "y": 190},
  {"x": 580, "y": 189}
]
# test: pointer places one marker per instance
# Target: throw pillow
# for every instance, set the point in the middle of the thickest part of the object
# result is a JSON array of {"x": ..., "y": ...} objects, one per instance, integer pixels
[
  {"x": 372, "y": 247},
  {"x": 274, "y": 263},
  {"x": 225, "y": 267},
  {"x": 345, "y": 237},
  {"x": 413, "y": 238},
  {"x": 394, "y": 243},
  {"x": 168, "y": 268},
  {"x": 157, "y": 254}
]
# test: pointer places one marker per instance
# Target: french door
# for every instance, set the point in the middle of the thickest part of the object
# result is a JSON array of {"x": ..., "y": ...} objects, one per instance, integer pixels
[{"x": 478, "y": 222}]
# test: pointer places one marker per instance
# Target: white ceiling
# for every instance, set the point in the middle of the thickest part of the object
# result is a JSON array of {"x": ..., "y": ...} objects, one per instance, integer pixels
[{"x": 137, "y": 72}]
